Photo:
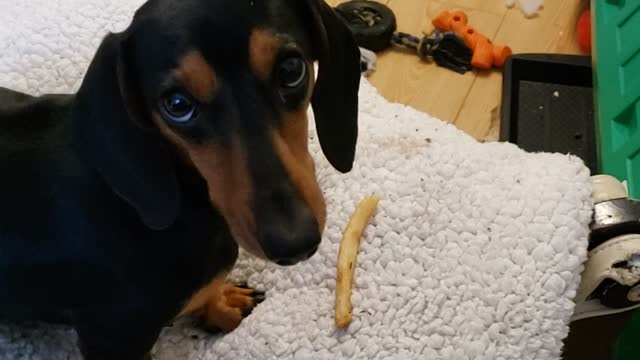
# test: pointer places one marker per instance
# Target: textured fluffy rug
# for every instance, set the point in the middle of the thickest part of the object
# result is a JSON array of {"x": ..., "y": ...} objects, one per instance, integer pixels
[{"x": 475, "y": 252}]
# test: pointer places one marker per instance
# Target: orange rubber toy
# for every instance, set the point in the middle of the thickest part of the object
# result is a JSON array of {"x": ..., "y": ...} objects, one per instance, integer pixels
[{"x": 485, "y": 54}]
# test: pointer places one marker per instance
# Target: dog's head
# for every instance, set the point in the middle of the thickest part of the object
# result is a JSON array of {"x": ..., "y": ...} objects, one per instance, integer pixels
[{"x": 225, "y": 84}]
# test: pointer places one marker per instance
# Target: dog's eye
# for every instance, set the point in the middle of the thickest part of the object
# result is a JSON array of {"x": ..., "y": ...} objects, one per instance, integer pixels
[
  {"x": 178, "y": 107},
  {"x": 292, "y": 72}
]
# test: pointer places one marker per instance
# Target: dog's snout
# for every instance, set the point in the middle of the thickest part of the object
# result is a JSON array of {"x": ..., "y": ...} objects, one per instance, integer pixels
[
  {"x": 296, "y": 257},
  {"x": 290, "y": 241},
  {"x": 289, "y": 249},
  {"x": 312, "y": 252}
]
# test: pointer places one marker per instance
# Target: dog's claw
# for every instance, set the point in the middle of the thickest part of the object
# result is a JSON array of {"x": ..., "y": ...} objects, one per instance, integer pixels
[
  {"x": 259, "y": 298},
  {"x": 243, "y": 285}
]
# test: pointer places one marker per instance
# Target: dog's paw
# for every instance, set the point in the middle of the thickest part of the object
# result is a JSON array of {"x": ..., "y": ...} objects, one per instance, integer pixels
[
  {"x": 243, "y": 297},
  {"x": 226, "y": 311}
]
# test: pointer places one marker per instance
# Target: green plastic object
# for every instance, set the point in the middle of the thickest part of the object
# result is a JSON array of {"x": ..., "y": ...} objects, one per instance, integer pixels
[
  {"x": 626, "y": 348},
  {"x": 616, "y": 57}
]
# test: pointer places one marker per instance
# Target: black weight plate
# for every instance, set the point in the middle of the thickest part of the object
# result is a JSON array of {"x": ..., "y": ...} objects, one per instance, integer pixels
[{"x": 375, "y": 37}]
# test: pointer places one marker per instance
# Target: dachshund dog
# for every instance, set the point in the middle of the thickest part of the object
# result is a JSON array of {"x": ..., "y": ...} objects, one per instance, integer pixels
[{"x": 123, "y": 206}]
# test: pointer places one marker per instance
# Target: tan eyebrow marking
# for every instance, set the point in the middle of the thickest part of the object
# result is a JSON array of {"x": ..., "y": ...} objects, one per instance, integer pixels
[
  {"x": 197, "y": 76},
  {"x": 263, "y": 48}
]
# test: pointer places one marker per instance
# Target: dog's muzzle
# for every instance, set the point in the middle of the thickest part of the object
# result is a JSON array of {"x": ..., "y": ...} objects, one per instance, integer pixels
[{"x": 288, "y": 231}]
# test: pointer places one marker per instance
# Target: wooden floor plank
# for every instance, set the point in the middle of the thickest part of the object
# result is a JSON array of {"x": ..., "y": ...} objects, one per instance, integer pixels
[
  {"x": 404, "y": 78},
  {"x": 493, "y": 6},
  {"x": 552, "y": 31},
  {"x": 470, "y": 101}
]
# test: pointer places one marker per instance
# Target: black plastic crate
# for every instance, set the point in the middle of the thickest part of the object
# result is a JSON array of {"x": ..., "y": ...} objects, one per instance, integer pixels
[{"x": 547, "y": 105}]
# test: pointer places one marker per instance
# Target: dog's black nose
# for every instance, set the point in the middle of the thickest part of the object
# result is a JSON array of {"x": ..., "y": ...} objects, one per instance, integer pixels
[
  {"x": 289, "y": 251},
  {"x": 290, "y": 242}
]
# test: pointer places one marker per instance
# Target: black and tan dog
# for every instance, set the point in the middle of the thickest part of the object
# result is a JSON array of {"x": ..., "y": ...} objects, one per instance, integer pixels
[{"x": 122, "y": 206}]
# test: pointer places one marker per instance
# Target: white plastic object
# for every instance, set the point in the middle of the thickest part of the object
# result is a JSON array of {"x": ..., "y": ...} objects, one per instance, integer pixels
[
  {"x": 529, "y": 8},
  {"x": 606, "y": 187},
  {"x": 601, "y": 266},
  {"x": 369, "y": 58},
  {"x": 634, "y": 294}
]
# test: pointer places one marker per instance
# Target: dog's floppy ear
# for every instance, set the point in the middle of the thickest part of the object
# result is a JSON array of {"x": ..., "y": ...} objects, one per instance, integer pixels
[
  {"x": 335, "y": 97},
  {"x": 133, "y": 160}
]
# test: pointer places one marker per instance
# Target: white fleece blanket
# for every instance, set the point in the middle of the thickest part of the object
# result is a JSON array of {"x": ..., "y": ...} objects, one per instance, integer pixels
[{"x": 475, "y": 252}]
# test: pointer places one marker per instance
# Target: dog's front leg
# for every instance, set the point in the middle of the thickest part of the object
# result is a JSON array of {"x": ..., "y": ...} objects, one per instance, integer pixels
[
  {"x": 222, "y": 305},
  {"x": 117, "y": 333}
]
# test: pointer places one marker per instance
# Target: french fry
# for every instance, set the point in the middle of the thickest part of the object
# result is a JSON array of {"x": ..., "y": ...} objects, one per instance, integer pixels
[{"x": 349, "y": 246}]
